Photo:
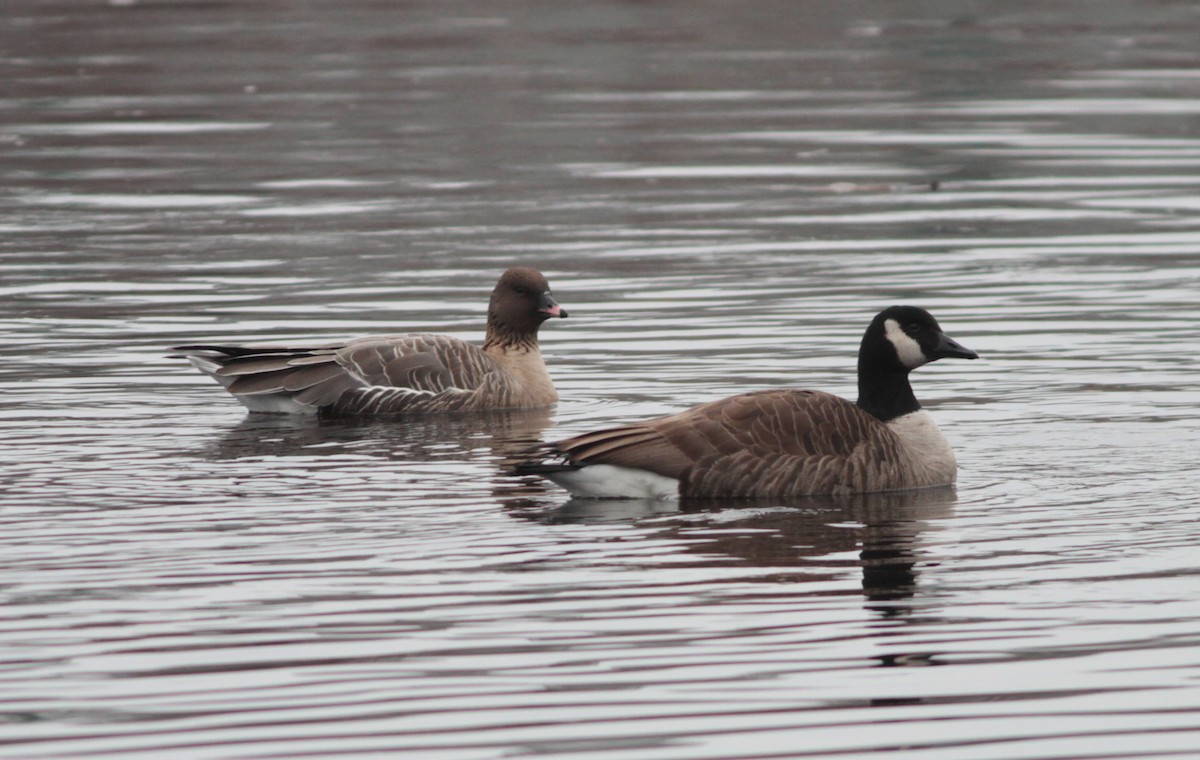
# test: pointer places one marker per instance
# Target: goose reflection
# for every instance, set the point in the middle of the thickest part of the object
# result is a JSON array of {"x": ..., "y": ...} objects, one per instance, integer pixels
[
  {"x": 475, "y": 438},
  {"x": 806, "y": 539}
]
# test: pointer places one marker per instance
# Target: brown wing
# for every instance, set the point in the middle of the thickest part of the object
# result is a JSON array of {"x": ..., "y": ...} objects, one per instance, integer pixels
[
  {"x": 414, "y": 372},
  {"x": 383, "y": 373},
  {"x": 431, "y": 363},
  {"x": 764, "y": 444}
]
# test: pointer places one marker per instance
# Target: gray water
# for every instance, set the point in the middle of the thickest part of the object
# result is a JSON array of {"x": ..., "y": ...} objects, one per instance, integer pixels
[{"x": 722, "y": 194}]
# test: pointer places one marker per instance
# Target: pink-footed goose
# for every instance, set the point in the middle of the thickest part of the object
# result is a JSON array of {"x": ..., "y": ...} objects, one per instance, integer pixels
[
  {"x": 402, "y": 374},
  {"x": 779, "y": 443}
]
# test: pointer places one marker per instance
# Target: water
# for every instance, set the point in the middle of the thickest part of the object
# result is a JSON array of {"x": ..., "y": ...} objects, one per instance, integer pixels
[{"x": 722, "y": 195}]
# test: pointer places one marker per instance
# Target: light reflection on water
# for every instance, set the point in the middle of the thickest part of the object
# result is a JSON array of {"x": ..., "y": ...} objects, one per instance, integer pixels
[{"x": 721, "y": 201}]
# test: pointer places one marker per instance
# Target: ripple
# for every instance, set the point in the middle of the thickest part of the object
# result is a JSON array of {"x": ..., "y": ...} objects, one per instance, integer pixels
[
  {"x": 722, "y": 205},
  {"x": 715, "y": 172},
  {"x": 164, "y": 201},
  {"x": 137, "y": 128}
]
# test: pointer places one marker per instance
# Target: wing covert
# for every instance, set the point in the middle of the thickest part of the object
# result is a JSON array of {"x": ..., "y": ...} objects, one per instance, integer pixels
[
  {"x": 422, "y": 363},
  {"x": 768, "y": 443}
]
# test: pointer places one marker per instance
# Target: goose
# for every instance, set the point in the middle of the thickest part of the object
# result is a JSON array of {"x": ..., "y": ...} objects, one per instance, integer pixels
[
  {"x": 778, "y": 443},
  {"x": 401, "y": 374}
]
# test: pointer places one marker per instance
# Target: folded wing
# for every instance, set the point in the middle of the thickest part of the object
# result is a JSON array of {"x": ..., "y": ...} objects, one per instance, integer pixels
[
  {"x": 766, "y": 444},
  {"x": 372, "y": 375}
]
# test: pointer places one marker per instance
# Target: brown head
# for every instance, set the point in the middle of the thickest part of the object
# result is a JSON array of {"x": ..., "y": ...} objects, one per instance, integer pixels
[{"x": 520, "y": 303}]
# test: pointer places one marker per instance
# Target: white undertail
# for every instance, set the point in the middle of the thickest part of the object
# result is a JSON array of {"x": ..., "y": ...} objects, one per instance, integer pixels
[{"x": 606, "y": 481}]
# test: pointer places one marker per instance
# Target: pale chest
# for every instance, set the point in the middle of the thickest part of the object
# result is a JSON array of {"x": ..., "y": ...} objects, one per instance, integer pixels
[
  {"x": 527, "y": 380},
  {"x": 927, "y": 452}
]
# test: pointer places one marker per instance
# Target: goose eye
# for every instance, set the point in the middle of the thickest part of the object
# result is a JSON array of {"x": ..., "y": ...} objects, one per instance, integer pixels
[
  {"x": 914, "y": 328},
  {"x": 522, "y": 290}
]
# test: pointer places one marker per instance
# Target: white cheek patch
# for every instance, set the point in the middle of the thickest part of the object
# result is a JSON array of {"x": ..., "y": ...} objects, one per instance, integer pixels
[{"x": 907, "y": 349}]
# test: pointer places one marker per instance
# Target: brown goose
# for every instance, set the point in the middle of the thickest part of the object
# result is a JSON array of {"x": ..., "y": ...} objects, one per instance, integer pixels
[
  {"x": 779, "y": 443},
  {"x": 402, "y": 374}
]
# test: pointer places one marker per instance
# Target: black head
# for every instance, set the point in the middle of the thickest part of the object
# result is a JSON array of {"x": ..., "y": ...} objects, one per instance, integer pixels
[
  {"x": 898, "y": 340},
  {"x": 909, "y": 336},
  {"x": 520, "y": 302}
]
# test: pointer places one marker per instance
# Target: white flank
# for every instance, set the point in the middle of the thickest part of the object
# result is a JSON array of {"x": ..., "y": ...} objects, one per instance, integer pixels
[
  {"x": 275, "y": 404},
  {"x": 606, "y": 481},
  {"x": 928, "y": 449},
  {"x": 907, "y": 349}
]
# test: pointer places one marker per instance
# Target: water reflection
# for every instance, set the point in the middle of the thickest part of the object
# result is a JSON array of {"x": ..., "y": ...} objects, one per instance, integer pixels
[
  {"x": 880, "y": 533},
  {"x": 477, "y": 436},
  {"x": 726, "y": 190}
]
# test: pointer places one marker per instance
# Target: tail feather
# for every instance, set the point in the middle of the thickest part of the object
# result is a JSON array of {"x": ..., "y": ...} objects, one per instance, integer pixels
[
  {"x": 233, "y": 351},
  {"x": 543, "y": 459},
  {"x": 543, "y": 468},
  {"x": 259, "y": 384},
  {"x": 255, "y": 364},
  {"x": 271, "y": 378}
]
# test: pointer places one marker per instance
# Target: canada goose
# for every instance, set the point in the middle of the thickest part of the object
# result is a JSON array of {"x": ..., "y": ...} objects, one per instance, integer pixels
[
  {"x": 393, "y": 374},
  {"x": 779, "y": 443}
]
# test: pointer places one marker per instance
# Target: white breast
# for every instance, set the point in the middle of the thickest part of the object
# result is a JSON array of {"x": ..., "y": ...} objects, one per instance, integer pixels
[{"x": 929, "y": 453}]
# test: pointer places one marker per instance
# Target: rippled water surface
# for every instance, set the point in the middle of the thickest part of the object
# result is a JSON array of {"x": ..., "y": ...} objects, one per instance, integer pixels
[{"x": 722, "y": 194}]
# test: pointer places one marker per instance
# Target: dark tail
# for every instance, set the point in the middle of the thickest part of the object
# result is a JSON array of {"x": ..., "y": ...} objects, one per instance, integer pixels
[
  {"x": 543, "y": 459},
  {"x": 235, "y": 351}
]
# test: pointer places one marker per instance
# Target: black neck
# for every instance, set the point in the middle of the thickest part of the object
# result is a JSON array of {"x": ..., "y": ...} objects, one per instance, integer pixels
[{"x": 884, "y": 391}]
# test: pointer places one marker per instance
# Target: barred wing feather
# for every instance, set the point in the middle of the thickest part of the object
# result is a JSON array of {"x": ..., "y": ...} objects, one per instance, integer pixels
[{"x": 766, "y": 444}]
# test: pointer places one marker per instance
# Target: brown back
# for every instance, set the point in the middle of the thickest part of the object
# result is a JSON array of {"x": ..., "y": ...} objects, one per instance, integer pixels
[{"x": 772, "y": 443}]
